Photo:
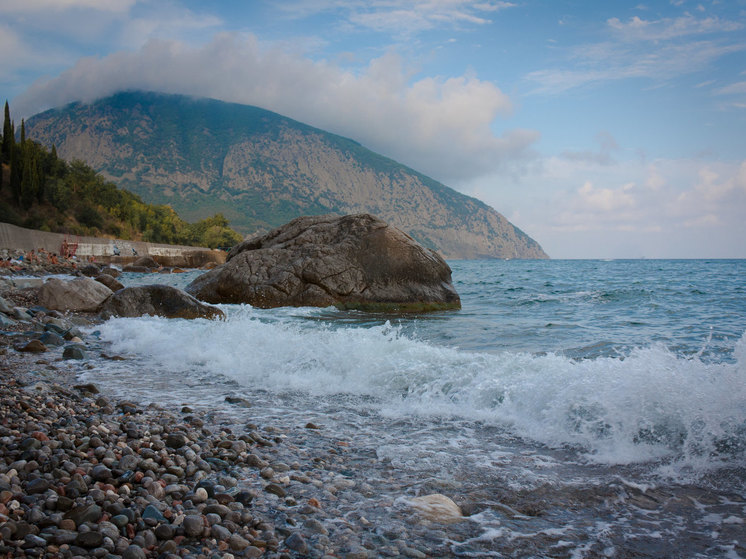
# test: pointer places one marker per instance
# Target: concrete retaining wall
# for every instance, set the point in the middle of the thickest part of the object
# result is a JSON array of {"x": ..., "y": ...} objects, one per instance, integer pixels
[{"x": 103, "y": 250}]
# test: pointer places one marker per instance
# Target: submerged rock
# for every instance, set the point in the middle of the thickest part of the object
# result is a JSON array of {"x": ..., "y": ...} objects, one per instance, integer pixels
[
  {"x": 157, "y": 300},
  {"x": 436, "y": 508},
  {"x": 355, "y": 261}
]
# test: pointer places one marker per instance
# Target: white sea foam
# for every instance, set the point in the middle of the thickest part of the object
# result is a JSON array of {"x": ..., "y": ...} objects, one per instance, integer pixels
[{"x": 649, "y": 404}]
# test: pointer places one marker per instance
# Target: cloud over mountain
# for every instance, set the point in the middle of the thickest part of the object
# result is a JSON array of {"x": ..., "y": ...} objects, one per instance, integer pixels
[{"x": 439, "y": 125}]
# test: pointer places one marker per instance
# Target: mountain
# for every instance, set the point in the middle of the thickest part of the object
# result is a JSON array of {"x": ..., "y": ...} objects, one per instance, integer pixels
[{"x": 261, "y": 169}]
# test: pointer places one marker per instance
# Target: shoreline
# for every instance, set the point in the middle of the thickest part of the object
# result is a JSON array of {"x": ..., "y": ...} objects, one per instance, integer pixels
[
  {"x": 317, "y": 487},
  {"x": 83, "y": 474},
  {"x": 86, "y": 474}
]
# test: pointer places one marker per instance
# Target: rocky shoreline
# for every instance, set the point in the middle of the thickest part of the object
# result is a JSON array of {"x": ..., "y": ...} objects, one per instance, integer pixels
[{"x": 83, "y": 474}]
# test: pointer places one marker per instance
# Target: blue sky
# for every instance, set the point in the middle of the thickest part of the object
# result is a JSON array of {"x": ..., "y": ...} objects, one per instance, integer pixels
[{"x": 602, "y": 129}]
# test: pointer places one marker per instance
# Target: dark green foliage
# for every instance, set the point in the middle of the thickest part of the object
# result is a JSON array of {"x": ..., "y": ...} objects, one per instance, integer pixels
[
  {"x": 50, "y": 194},
  {"x": 15, "y": 174},
  {"x": 8, "y": 135}
]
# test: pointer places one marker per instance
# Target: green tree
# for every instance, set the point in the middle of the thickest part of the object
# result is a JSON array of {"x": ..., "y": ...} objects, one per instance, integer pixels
[
  {"x": 8, "y": 134},
  {"x": 15, "y": 174},
  {"x": 29, "y": 180}
]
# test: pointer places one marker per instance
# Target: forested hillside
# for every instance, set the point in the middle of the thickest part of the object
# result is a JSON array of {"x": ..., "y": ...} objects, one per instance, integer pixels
[{"x": 39, "y": 190}]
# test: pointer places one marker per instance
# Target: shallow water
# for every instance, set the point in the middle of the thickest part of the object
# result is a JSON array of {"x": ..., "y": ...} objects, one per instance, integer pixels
[{"x": 573, "y": 408}]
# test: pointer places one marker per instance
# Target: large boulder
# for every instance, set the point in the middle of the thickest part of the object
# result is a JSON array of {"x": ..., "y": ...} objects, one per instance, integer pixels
[
  {"x": 81, "y": 294},
  {"x": 354, "y": 262},
  {"x": 157, "y": 300}
]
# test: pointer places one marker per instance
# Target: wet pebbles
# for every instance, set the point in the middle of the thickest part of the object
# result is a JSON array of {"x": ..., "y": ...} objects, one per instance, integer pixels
[{"x": 82, "y": 475}]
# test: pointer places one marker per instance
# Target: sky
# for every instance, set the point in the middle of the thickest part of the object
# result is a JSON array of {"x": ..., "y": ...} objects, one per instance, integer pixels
[{"x": 603, "y": 129}]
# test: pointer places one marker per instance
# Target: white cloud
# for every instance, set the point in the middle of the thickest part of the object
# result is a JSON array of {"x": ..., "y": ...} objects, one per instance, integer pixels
[
  {"x": 605, "y": 200},
  {"x": 401, "y": 17},
  {"x": 440, "y": 126},
  {"x": 670, "y": 208},
  {"x": 40, "y": 6},
  {"x": 738, "y": 88},
  {"x": 652, "y": 49},
  {"x": 637, "y": 29}
]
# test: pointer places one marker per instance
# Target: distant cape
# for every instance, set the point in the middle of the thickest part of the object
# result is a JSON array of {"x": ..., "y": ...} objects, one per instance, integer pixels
[{"x": 261, "y": 169}]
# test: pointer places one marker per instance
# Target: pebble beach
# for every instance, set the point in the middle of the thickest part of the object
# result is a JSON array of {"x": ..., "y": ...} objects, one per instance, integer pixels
[
  {"x": 257, "y": 436},
  {"x": 83, "y": 474}
]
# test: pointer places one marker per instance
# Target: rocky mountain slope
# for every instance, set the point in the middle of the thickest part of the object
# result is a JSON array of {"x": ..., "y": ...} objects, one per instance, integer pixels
[{"x": 261, "y": 169}]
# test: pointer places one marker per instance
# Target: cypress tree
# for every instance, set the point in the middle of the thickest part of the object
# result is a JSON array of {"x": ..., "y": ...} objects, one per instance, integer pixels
[
  {"x": 23, "y": 132},
  {"x": 8, "y": 139}
]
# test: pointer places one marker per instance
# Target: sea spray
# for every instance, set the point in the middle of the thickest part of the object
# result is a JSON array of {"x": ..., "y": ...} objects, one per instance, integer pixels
[
  {"x": 571, "y": 408},
  {"x": 646, "y": 405}
]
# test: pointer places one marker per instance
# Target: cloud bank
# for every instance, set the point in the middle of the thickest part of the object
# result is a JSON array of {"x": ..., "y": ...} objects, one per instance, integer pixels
[{"x": 440, "y": 126}]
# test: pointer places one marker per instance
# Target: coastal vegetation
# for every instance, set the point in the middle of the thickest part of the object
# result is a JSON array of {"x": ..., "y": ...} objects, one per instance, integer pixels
[{"x": 39, "y": 190}]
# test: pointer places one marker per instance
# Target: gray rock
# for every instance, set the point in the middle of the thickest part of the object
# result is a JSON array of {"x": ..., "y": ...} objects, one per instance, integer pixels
[
  {"x": 315, "y": 526},
  {"x": 52, "y": 338},
  {"x": 296, "y": 542},
  {"x": 238, "y": 543},
  {"x": 100, "y": 472},
  {"x": 153, "y": 513},
  {"x": 109, "y": 530},
  {"x": 90, "y": 539},
  {"x": 220, "y": 533},
  {"x": 5, "y": 307},
  {"x": 157, "y": 300},
  {"x": 74, "y": 351},
  {"x": 146, "y": 262},
  {"x": 176, "y": 440},
  {"x": 164, "y": 532},
  {"x": 90, "y": 270},
  {"x": 275, "y": 489},
  {"x": 119, "y": 520},
  {"x": 220, "y": 510},
  {"x": 84, "y": 513},
  {"x": 109, "y": 281},
  {"x": 6, "y": 322},
  {"x": 355, "y": 261},
  {"x": 32, "y": 540},
  {"x": 193, "y": 525},
  {"x": 61, "y": 537},
  {"x": 129, "y": 462},
  {"x": 113, "y": 272},
  {"x": 80, "y": 294},
  {"x": 134, "y": 552},
  {"x": 39, "y": 485},
  {"x": 253, "y": 552}
]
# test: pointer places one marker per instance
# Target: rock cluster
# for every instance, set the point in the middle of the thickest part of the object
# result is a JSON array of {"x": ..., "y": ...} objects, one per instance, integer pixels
[
  {"x": 86, "y": 475},
  {"x": 355, "y": 262},
  {"x": 81, "y": 476}
]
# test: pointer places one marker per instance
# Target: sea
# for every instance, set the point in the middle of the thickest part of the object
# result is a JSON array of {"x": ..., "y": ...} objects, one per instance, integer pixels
[{"x": 572, "y": 408}]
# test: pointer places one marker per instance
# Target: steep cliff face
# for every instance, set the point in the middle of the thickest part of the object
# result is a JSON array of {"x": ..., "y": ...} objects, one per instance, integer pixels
[{"x": 262, "y": 169}]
